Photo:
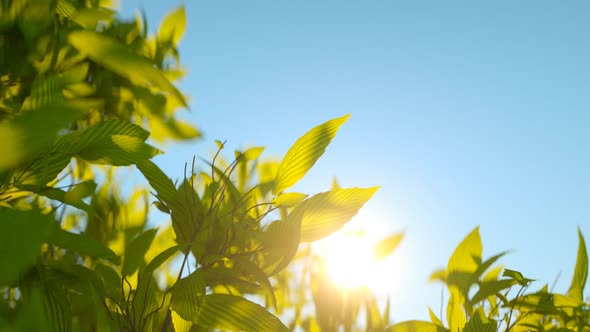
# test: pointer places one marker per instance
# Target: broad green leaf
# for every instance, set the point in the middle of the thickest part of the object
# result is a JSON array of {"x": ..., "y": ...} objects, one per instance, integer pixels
[
  {"x": 480, "y": 323},
  {"x": 289, "y": 199},
  {"x": 118, "y": 150},
  {"x": 387, "y": 245},
  {"x": 467, "y": 255},
  {"x": 234, "y": 313},
  {"x": 30, "y": 133},
  {"x": 119, "y": 58},
  {"x": 173, "y": 26},
  {"x": 305, "y": 152},
  {"x": 415, "y": 326},
  {"x": 21, "y": 235},
  {"x": 136, "y": 250},
  {"x": 576, "y": 289},
  {"x": 325, "y": 213},
  {"x": 187, "y": 294},
  {"x": 81, "y": 244},
  {"x": 110, "y": 277}
]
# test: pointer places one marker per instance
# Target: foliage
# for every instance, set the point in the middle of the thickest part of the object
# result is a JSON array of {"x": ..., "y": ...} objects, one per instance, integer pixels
[
  {"x": 485, "y": 297},
  {"x": 84, "y": 93}
]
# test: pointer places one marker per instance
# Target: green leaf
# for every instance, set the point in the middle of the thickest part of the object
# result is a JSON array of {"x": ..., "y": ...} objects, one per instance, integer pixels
[
  {"x": 415, "y": 326},
  {"x": 82, "y": 244},
  {"x": 289, "y": 199},
  {"x": 73, "y": 199},
  {"x": 517, "y": 276},
  {"x": 118, "y": 150},
  {"x": 455, "y": 314},
  {"x": 21, "y": 235},
  {"x": 160, "y": 259},
  {"x": 160, "y": 182},
  {"x": 79, "y": 191},
  {"x": 253, "y": 153},
  {"x": 173, "y": 26},
  {"x": 387, "y": 245},
  {"x": 259, "y": 276},
  {"x": 576, "y": 289},
  {"x": 480, "y": 323},
  {"x": 434, "y": 318},
  {"x": 305, "y": 152},
  {"x": 187, "y": 294},
  {"x": 491, "y": 287},
  {"x": 119, "y": 58},
  {"x": 136, "y": 250},
  {"x": 325, "y": 213},
  {"x": 467, "y": 255},
  {"x": 234, "y": 313},
  {"x": 30, "y": 133}
]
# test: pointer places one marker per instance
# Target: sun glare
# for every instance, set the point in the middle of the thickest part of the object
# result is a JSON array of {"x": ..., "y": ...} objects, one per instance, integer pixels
[{"x": 350, "y": 262}]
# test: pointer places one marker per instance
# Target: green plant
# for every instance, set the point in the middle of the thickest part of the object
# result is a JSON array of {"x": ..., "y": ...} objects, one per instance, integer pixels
[
  {"x": 80, "y": 89},
  {"x": 484, "y": 297}
]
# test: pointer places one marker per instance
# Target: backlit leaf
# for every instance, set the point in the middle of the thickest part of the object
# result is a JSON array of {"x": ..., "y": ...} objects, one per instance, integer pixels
[
  {"x": 235, "y": 313},
  {"x": 325, "y": 213},
  {"x": 467, "y": 255},
  {"x": 136, "y": 250},
  {"x": 480, "y": 323},
  {"x": 115, "y": 56},
  {"x": 576, "y": 289},
  {"x": 387, "y": 245},
  {"x": 289, "y": 199},
  {"x": 415, "y": 326},
  {"x": 187, "y": 294},
  {"x": 173, "y": 26},
  {"x": 305, "y": 152}
]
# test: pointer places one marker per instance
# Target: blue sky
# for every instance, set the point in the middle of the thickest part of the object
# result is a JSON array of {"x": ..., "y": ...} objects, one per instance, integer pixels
[{"x": 464, "y": 113}]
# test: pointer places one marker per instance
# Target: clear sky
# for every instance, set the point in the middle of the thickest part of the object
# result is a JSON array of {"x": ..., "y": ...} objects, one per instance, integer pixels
[{"x": 464, "y": 113}]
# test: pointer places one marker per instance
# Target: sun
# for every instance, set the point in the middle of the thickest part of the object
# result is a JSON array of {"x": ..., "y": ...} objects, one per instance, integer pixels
[{"x": 350, "y": 262}]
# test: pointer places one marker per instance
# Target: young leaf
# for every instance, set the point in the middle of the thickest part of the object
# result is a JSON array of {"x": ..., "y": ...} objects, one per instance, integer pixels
[
  {"x": 136, "y": 250},
  {"x": 305, "y": 152},
  {"x": 467, "y": 255},
  {"x": 21, "y": 236},
  {"x": 235, "y": 313},
  {"x": 415, "y": 326},
  {"x": 576, "y": 289},
  {"x": 173, "y": 26},
  {"x": 119, "y": 58},
  {"x": 491, "y": 287},
  {"x": 289, "y": 199},
  {"x": 327, "y": 212},
  {"x": 386, "y": 246},
  {"x": 253, "y": 153}
]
